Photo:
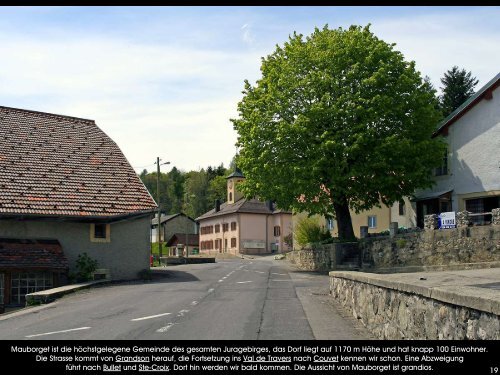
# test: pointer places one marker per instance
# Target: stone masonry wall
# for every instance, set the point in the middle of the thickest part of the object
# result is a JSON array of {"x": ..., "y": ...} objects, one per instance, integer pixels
[
  {"x": 466, "y": 245},
  {"x": 391, "y": 314},
  {"x": 319, "y": 258}
]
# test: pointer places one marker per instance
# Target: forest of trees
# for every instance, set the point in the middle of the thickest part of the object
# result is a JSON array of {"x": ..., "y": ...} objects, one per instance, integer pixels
[{"x": 192, "y": 193}]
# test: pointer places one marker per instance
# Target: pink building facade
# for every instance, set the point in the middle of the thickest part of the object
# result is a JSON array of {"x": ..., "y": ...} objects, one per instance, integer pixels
[{"x": 244, "y": 226}]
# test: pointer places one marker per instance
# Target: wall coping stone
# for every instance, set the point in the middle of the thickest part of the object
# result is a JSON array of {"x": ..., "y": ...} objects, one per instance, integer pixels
[{"x": 453, "y": 287}]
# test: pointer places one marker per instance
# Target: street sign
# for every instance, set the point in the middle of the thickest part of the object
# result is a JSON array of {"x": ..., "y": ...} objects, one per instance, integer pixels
[{"x": 447, "y": 220}]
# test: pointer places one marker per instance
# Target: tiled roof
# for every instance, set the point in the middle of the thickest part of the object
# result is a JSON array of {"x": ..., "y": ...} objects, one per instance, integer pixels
[
  {"x": 251, "y": 206},
  {"x": 64, "y": 166},
  {"x": 165, "y": 218},
  {"x": 180, "y": 238},
  {"x": 32, "y": 254}
]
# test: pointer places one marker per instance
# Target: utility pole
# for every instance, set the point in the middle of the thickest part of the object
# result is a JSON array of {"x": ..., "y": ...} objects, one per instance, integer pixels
[
  {"x": 159, "y": 205},
  {"x": 186, "y": 203}
]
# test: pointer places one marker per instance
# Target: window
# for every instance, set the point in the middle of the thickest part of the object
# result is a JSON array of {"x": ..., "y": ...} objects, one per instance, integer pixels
[
  {"x": 233, "y": 242},
  {"x": 25, "y": 283},
  {"x": 277, "y": 231},
  {"x": 230, "y": 196},
  {"x": 233, "y": 225},
  {"x": 442, "y": 170},
  {"x": 100, "y": 233},
  {"x": 217, "y": 228},
  {"x": 225, "y": 227},
  {"x": 402, "y": 208},
  {"x": 329, "y": 223},
  {"x": 372, "y": 221}
]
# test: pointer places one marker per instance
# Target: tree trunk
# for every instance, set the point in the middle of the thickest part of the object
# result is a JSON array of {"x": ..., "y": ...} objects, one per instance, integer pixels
[{"x": 344, "y": 221}]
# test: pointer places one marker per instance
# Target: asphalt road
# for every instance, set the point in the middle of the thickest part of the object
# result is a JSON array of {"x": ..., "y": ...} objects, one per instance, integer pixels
[{"x": 240, "y": 299}]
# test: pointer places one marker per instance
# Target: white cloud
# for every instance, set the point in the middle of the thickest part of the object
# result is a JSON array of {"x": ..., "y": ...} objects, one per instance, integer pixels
[
  {"x": 151, "y": 99},
  {"x": 436, "y": 42},
  {"x": 248, "y": 36}
]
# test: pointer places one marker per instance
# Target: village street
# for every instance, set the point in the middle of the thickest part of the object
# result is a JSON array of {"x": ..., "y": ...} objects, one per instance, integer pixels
[{"x": 254, "y": 299}]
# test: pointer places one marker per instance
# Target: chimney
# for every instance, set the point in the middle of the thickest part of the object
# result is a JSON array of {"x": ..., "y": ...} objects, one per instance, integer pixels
[
  {"x": 217, "y": 205},
  {"x": 269, "y": 205}
]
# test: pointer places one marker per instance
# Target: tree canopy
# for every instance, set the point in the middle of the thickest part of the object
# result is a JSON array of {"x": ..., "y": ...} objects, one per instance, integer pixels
[
  {"x": 339, "y": 120},
  {"x": 192, "y": 192},
  {"x": 458, "y": 86}
]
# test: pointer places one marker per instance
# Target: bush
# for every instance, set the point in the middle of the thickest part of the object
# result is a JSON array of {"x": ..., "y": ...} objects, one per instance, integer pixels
[
  {"x": 308, "y": 230},
  {"x": 85, "y": 266}
]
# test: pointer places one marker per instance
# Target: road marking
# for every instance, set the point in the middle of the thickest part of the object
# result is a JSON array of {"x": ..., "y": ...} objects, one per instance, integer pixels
[
  {"x": 221, "y": 280},
  {"x": 259, "y": 272},
  {"x": 210, "y": 290},
  {"x": 149, "y": 317},
  {"x": 224, "y": 278},
  {"x": 194, "y": 303},
  {"x": 166, "y": 328},
  {"x": 243, "y": 282},
  {"x": 281, "y": 274},
  {"x": 182, "y": 312},
  {"x": 53, "y": 333},
  {"x": 279, "y": 280}
]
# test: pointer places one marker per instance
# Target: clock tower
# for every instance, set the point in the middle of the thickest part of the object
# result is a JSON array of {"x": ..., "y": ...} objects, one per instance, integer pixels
[{"x": 233, "y": 195}]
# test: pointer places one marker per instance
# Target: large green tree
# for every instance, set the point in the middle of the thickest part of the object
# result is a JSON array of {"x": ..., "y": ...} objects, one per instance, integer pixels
[
  {"x": 458, "y": 86},
  {"x": 339, "y": 120}
]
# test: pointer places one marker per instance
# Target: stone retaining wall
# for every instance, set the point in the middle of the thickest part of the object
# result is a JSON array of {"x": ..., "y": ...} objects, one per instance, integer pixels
[
  {"x": 393, "y": 314},
  {"x": 448, "y": 247},
  {"x": 320, "y": 257}
]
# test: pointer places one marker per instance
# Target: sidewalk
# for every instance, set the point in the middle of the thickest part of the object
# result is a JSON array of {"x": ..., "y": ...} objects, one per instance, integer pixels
[{"x": 478, "y": 289}]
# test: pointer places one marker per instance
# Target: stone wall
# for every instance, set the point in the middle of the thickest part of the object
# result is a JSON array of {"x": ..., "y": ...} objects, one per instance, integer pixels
[
  {"x": 392, "y": 314},
  {"x": 470, "y": 247},
  {"x": 322, "y": 257}
]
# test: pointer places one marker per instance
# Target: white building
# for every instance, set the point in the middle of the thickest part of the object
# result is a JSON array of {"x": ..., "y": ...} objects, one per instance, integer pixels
[{"x": 469, "y": 177}]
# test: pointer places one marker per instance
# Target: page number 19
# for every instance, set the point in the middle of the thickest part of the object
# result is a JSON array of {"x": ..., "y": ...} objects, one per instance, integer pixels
[{"x": 493, "y": 370}]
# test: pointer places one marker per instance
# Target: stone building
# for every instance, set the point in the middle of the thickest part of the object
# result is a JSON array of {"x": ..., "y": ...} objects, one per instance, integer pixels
[{"x": 66, "y": 189}]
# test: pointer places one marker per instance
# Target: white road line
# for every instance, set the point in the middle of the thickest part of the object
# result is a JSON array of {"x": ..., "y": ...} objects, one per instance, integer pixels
[
  {"x": 279, "y": 280},
  {"x": 194, "y": 303},
  {"x": 182, "y": 312},
  {"x": 221, "y": 280},
  {"x": 259, "y": 271},
  {"x": 243, "y": 282},
  {"x": 166, "y": 328},
  {"x": 281, "y": 274},
  {"x": 53, "y": 333},
  {"x": 149, "y": 317},
  {"x": 210, "y": 290}
]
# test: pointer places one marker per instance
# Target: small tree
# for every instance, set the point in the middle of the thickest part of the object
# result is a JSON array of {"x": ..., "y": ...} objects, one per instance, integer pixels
[
  {"x": 458, "y": 86},
  {"x": 308, "y": 230}
]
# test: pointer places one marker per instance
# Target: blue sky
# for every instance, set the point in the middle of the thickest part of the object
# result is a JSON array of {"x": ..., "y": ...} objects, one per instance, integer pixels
[{"x": 164, "y": 81}]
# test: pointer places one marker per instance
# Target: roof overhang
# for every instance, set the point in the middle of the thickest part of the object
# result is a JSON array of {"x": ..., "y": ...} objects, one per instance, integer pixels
[
  {"x": 79, "y": 219},
  {"x": 430, "y": 195},
  {"x": 486, "y": 92}
]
